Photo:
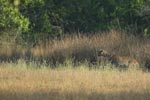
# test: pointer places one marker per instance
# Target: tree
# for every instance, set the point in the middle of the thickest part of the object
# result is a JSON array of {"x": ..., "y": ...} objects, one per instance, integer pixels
[{"x": 11, "y": 18}]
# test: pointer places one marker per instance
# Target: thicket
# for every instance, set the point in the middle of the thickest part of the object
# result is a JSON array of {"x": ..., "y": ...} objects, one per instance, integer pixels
[{"x": 49, "y": 18}]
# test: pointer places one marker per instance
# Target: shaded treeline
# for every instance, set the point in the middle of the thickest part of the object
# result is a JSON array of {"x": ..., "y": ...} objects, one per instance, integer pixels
[{"x": 51, "y": 18}]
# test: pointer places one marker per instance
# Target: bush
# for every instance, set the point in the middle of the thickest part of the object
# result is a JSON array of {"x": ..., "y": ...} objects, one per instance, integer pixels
[
  {"x": 11, "y": 18},
  {"x": 52, "y": 18}
]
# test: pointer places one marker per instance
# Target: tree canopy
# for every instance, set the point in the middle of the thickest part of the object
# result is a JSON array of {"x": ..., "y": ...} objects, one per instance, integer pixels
[{"x": 54, "y": 17}]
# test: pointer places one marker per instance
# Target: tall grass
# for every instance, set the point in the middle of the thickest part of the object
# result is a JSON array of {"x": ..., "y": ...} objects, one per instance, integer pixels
[
  {"x": 25, "y": 72},
  {"x": 80, "y": 48}
]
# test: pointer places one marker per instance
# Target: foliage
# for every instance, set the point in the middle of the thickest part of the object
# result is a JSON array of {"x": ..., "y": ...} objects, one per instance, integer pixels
[
  {"x": 52, "y": 17},
  {"x": 11, "y": 18}
]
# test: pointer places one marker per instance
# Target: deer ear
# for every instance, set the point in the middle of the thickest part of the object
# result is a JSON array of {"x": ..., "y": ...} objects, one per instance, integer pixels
[{"x": 100, "y": 52}]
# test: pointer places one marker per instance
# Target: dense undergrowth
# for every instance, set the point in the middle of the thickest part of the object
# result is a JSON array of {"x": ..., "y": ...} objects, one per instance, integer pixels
[{"x": 78, "y": 49}]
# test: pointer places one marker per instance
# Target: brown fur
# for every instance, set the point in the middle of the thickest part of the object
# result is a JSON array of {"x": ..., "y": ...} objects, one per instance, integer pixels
[{"x": 118, "y": 61}]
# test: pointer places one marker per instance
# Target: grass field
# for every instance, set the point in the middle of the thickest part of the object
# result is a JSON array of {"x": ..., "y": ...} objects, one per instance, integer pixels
[
  {"x": 78, "y": 48},
  {"x": 19, "y": 82},
  {"x": 59, "y": 69}
]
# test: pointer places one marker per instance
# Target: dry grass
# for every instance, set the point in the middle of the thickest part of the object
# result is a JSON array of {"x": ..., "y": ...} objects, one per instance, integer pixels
[
  {"x": 23, "y": 80},
  {"x": 17, "y": 82},
  {"x": 79, "y": 48}
]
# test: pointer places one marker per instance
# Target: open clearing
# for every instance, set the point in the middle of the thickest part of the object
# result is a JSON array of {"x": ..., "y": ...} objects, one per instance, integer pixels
[{"x": 73, "y": 84}]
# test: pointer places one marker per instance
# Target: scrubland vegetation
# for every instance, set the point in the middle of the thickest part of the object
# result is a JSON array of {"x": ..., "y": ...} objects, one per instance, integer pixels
[
  {"x": 47, "y": 70},
  {"x": 79, "y": 49},
  {"x": 49, "y": 49},
  {"x": 23, "y": 82}
]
